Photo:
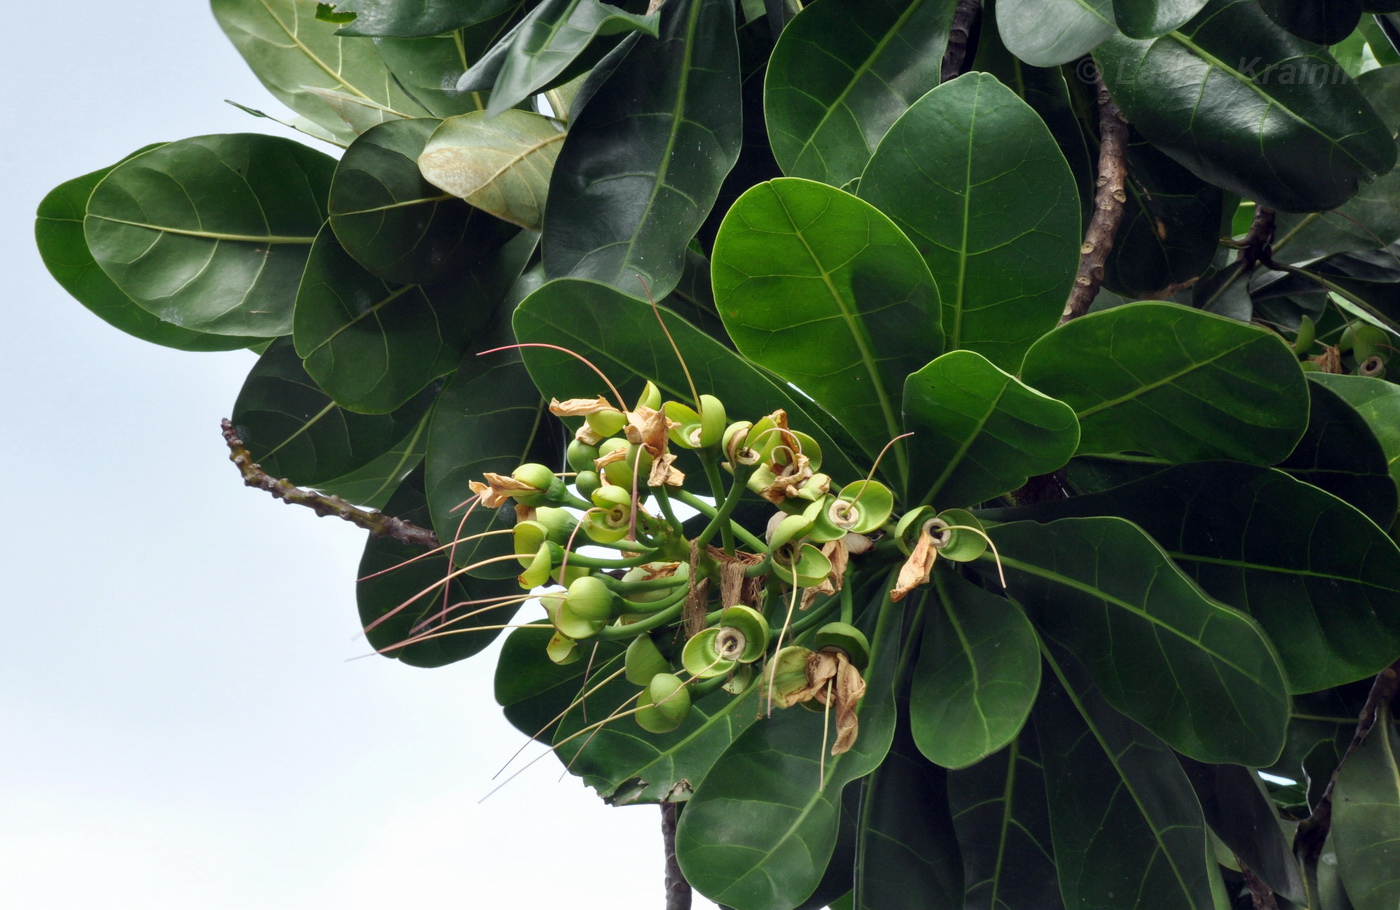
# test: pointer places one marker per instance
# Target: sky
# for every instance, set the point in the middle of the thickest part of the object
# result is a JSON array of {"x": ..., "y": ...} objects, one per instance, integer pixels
[{"x": 184, "y": 723}]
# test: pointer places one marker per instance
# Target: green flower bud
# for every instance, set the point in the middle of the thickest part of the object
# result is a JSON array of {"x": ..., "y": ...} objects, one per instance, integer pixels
[
  {"x": 537, "y": 572},
  {"x": 605, "y": 423},
  {"x": 644, "y": 660},
  {"x": 581, "y": 455},
  {"x": 558, "y": 523},
  {"x": 650, "y": 397},
  {"x": 664, "y": 704}
]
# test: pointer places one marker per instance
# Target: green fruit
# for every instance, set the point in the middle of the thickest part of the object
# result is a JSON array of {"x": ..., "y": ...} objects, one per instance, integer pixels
[
  {"x": 586, "y": 482},
  {"x": 847, "y": 638},
  {"x": 589, "y": 598},
  {"x": 664, "y": 704},
  {"x": 581, "y": 455}
]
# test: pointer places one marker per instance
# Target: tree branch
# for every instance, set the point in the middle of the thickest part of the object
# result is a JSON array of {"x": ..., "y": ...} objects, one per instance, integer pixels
[
  {"x": 1108, "y": 206},
  {"x": 377, "y": 523},
  {"x": 1257, "y": 246},
  {"x": 1312, "y": 832},
  {"x": 959, "y": 34},
  {"x": 677, "y": 888},
  {"x": 1261, "y": 894}
]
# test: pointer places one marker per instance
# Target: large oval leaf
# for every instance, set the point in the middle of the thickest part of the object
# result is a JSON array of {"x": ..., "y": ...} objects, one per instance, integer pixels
[
  {"x": 212, "y": 233},
  {"x": 759, "y": 832},
  {"x": 1197, "y": 673},
  {"x": 1150, "y": 18},
  {"x": 1324, "y": 23},
  {"x": 646, "y": 156},
  {"x": 420, "y": 19},
  {"x": 1378, "y": 403},
  {"x": 58, "y": 232},
  {"x": 1127, "y": 829},
  {"x": 1340, "y": 454},
  {"x": 341, "y": 84},
  {"x": 394, "y": 222},
  {"x": 1319, "y": 576},
  {"x": 869, "y": 309},
  {"x": 499, "y": 164},
  {"x": 979, "y": 432},
  {"x": 622, "y": 338},
  {"x": 977, "y": 674},
  {"x": 1051, "y": 32},
  {"x": 294, "y": 430},
  {"x": 1366, "y": 817},
  {"x": 1174, "y": 382},
  {"x": 429, "y": 68},
  {"x": 1251, "y": 108},
  {"x": 975, "y": 179},
  {"x": 842, "y": 72}
]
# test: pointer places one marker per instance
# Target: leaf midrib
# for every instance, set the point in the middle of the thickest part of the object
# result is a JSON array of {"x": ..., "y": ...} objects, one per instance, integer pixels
[{"x": 208, "y": 235}]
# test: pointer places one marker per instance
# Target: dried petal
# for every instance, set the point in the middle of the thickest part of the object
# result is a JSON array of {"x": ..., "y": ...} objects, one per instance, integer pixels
[{"x": 917, "y": 569}]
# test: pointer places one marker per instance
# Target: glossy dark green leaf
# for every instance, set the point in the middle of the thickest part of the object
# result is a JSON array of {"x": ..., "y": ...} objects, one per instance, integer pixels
[
  {"x": 1050, "y": 33},
  {"x": 1170, "y": 225},
  {"x": 1378, "y": 403},
  {"x": 1340, "y": 454},
  {"x": 1174, "y": 382},
  {"x": 759, "y": 831},
  {"x": 646, "y": 156},
  {"x": 58, "y": 232},
  {"x": 490, "y": 418},
  {"x": 1319, "y": 21},
  {"x": 979, "y": 432},
  {"x": 1366, "y": 818},
  {"x": 1367, "y": 221},
  {"x": 1239, "y": 811},
  {"x": 1003, "y": 828},
  {"x": 1127, "y": 829},
  {"x": 622, "y": 338},
  {"x": 498, "y": 164},
  {"x": 533, "y": 690},
  {"x": 417, "y": 18},
  {"x": 869, "y": 312},
  {"x": 1150, "y": 18},
  {"x": 373, "y": 345},
  {"x": 212, "y": 233},
  {"x": 906, "y": 843},
  {"x": 977, "y": 674},
  {"x": 1319, "y": 576},
  {"x": 294, "y": 430},
  {"x": 975, "y": 179},
  {"x": 414, "y": 617},
  {"x": 546, "y": 43},
  {"x": 1331, "y": 894},
  {"x": 1201, "y": 675},
  {"x": 393, "y": 221},
  {"x": 371, "y": 486},
  {"x": 341, "y": 84},
  {"x": 842, "y": 73},
  {"x": 429, "y": 68},
  {"x": 1250, "y": 107}
]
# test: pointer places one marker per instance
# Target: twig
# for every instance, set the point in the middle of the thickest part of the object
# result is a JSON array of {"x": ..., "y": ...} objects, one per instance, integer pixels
[
  {"x": 1262, "y": 894},
  {"x": 959, "y": 34},
  {"x": 677, "y": 888},
  {"x": 1257, "y": 246},
  {"x": 377, "y": 523},
  {"x": 1312, "y": 832},
  {"x": 1108, "y": 206}
]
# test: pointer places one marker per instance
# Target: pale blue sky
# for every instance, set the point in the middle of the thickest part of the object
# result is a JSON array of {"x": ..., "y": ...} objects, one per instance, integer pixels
[{"x": 181, "y": 726}]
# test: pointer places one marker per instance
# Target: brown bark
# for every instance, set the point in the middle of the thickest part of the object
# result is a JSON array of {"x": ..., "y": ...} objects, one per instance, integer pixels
[{"x": 1108, "y": 206}]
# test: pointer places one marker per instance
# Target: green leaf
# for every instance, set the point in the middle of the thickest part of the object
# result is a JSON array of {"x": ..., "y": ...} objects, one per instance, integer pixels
[
  {"x": 1326, "y": 22},
  {"x": 1127, "y": 829},
  {"x": 1319, "y": 576},
  {"x": 1340, "y": 454},
  {"x": 759, "y": 831},
  {"x": 975, "y": 179},
  {"x": 646, "y": 156},
  {"x": 299, "y": 59},
  {"x": 490, "y": 418},
  {"x": 429, "y": 68},
  {"x": 903, "y": 853},
  {"x": 418, "y": 18},
  {"x": 58, "y": 232},
  {"x": 979, "y": 432},
  {"x": 408, "y": 601},
  {"x": 395, "y": 223},
  {"x": 499, "y": 164},
  {"x": 1367, "y": 221},
  {"x": 1239, "y": 811},
  {"x": 1050, "y": 33},
  {"x": 211, "y": 233},
  {"x": 621, "y": 337},
  {"x": 1249, "y": 107},
  {"x": 1003, "y": 828},
  {"x": 1174, "y": 382},
  {"x": 976, "y": 677},
  {"x": 533, "y": 690},
  {"x": 842, "y": 72},
  {"x": 371, "y": 486},
  {"x": 373, "y": 345},
  {"x": 1195, "y": 672},
  {"x": 1150, "y": 18},
  {"x": 869, "y": 312},
  {"x": 295, "y": 431},
  {"x": 1366, "y": 818},
  {"x": 1378, "y": 403},
  {"x": 546, "y": 46}
]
